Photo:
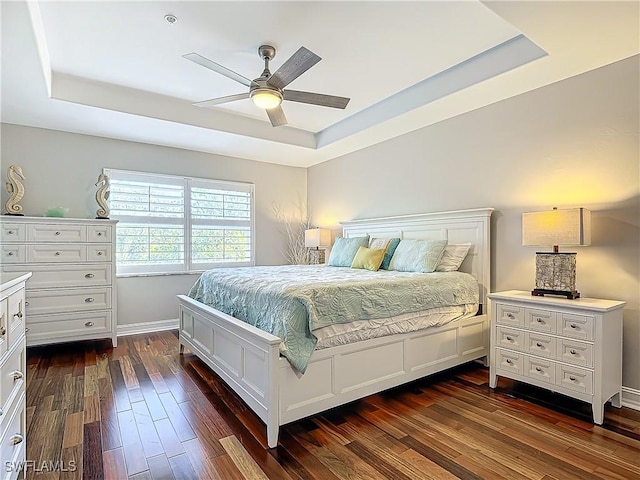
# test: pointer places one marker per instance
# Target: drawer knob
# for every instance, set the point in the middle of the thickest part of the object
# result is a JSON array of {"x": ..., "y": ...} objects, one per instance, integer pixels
[
  {"x": 99, "y": 234},
  {"x": 508, "y": 360},
  {"x": 1, "y": 412},
  {"x": 88, "y": 324},
  {"x": 573, "y": 325},
  {"x": 16, "y": 439},
  {"x": 10, "y": 254},
  {"x": 89, "y": 275},
  {"x": 26, "y": 330},
  {"x": 538, "y": 344},
  {"x": 572, "y": 378},
  {"x": 57, "y": 254},
  {"x": 88, "y": 299},
  {"x": 26, "y": 304},
  {"x": 510, "y": 315},
  {"x": 573, "y": 352},
  {"x": 10, "y": 232},
  {"x": 3, "y": 331},
  {"x": 19, "y": 315},
  {"x": 17, "y": 375},
  {"x": 538, "y": 369},
  {"x": 57, "y": 233},
  {"x": 539, "y": 320},
  {"x": 510, "y": 338}
]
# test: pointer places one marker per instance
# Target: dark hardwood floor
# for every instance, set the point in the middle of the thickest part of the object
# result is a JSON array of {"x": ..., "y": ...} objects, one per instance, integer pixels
[{"x": 141, "y": 411}]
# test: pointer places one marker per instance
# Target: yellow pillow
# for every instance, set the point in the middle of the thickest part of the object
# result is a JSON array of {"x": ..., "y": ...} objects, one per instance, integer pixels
[{"x": 369, "y": 258}]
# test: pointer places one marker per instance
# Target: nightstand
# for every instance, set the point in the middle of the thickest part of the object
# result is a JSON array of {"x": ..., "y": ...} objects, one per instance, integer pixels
[{"x": 573, "y": 347}]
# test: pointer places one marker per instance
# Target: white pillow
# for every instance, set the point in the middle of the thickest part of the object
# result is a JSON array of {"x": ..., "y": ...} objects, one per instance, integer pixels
[
  {"x": 417, "y": 255},
  {"x": 453, "y": 257}
]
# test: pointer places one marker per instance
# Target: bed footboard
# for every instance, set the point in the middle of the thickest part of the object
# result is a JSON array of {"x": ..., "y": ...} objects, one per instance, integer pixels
[{"x": 246, "y": 358}]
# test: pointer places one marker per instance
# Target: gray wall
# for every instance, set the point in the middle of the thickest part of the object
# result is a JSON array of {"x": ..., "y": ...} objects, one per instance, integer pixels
[
  {"x": 61, "y": 169},
  {"x": 573, "y": 143}
]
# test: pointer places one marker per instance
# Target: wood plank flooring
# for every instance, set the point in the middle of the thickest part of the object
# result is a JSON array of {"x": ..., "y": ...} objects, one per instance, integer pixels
[{"x": 141, "y": 411}]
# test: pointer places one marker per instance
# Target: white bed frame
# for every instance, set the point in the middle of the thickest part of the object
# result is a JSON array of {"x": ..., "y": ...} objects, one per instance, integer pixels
[{"x": 247, "y": 358}]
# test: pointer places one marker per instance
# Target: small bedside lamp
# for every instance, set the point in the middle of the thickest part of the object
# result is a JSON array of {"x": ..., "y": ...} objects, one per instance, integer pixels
[
  {"x": 316, "y": 238},
  {"x": 556, "y": 271}
]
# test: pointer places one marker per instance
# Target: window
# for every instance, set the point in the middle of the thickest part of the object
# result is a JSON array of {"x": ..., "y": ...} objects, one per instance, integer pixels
[{"x": 179, "y": 224}]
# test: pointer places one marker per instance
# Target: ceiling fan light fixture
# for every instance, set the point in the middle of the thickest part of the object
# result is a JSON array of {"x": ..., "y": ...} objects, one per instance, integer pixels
[{"x": 266, "y": 98}]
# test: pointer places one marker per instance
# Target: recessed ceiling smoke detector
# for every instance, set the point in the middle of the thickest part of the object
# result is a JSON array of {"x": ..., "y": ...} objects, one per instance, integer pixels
[{"x": 171, "y": 19}]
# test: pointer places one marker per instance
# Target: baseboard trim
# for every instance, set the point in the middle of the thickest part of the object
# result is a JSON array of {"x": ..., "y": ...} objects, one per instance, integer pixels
[
  {"x": 147, "y": 327},
  {"x": 631, "y": 398}
]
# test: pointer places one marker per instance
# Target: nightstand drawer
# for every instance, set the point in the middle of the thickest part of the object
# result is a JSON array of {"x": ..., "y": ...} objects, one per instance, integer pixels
[
  {"x": 578, "y": 353},
  {"x": 12, "y": 379},
  {"x": 13, "y": 232},
  {"x": 56, "y": 233},
  {"x": 509, "y": 361},
  {"x": 540, "y": 320},
  {"x": 540, "y": 369},
  {"x": 12, "y": 440},
  {"x": 576, "y": 326},
  {"x": 540, "y": 344},
  {"x": 574, "y": 378},
  {"x": 511, "y": 338},
  {"x": 510, "y": 315},
  {"x": 67, "y": 300},
  {"x": 52, "y": 253},
  {"x": 14, "y": 254}
]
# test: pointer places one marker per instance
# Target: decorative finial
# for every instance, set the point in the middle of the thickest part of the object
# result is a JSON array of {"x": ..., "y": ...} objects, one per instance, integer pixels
[
  {"x": 15, "y": 189},
  {"x": 102, "y": 195}
]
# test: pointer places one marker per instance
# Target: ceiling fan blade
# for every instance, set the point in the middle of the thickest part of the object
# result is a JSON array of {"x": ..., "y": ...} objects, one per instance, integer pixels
[
  {"x": 296, "y": 65},
  {"x": 205, "y": 62},
  {"x": 219, "y": 100},
  {"x": 316, "y": 99},
  {"x": 277, "y": 117}
]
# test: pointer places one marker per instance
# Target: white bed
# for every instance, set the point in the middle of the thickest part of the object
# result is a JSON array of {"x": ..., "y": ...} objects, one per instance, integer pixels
[{"x": 248, "y": 360}]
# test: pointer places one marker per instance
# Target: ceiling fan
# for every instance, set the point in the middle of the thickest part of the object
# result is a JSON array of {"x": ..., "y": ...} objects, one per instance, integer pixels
[{"x": 267, "y": 91}]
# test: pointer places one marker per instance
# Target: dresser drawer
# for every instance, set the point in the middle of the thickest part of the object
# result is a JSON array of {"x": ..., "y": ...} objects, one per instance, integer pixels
[
  {"x": 510, "y": 315},
  {"x": 13, "y": 232},
  {"x": 540, "y": 369},
  {"x": 99, "y": 233},
  {"x": 14, "y": 253},
  {"x": 575, "y": 378},
  {"x": 578, "y": 353},
  {"x": 540, "y": 320},
  {"x": 67, "y": 300},
  {"x": 56, "y": 253},
  {"x": 56, "y": 233},
  {"x": 509, "y": 361},
  {"x": 541, "y": 344},
  {"x": 510, "y": 338},
  {"x": 99, "y": 253},
  {"x": 12, "y": 440},
  {"x": 15, "y": 317},
  {"x": 60, "y": 327},
  {"x": 576, "y": 326},
  {"x": 12, "y": 379},
  {"x": 53, "y": 276}
]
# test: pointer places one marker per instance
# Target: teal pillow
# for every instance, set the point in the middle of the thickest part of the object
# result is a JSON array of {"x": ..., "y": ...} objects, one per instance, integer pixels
[
  {"x": 344, "y": 250},
  {"x": 417, "y": 255},
  {"x": 390, "y": 244}
]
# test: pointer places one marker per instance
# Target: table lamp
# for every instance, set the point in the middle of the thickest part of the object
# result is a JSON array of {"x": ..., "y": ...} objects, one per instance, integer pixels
[
  {"x": 315, "y": 238},
  {"x": 556, "y": 271}
]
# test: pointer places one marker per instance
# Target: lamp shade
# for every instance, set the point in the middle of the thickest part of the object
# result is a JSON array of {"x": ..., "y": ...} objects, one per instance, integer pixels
[
  {"x": 317, "y": 237},
  {"x": 570, "y": 226}
]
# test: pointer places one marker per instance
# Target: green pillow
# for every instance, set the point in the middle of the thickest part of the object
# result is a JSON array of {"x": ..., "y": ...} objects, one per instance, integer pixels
[
  {"x": 369, "y": 258},
  {"x": 344, "y": 250}
]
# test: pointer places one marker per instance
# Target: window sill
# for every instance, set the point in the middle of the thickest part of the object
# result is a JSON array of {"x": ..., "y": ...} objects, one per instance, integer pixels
[{"x": 158, "y": 274}]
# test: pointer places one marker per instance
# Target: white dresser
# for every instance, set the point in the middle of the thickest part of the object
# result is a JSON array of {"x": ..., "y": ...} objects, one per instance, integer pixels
[
  {"x": 72, "y": 293},
  {"x": 12, "y": 375},
  {"x": 573, "y": 347}
]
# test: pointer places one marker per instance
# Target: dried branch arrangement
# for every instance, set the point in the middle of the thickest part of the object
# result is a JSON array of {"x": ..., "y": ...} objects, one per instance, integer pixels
[{"x": 292, "y": 226}]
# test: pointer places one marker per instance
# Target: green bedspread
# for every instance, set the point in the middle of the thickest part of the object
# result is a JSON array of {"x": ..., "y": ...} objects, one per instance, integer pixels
[{"x": 291, "y": 301}]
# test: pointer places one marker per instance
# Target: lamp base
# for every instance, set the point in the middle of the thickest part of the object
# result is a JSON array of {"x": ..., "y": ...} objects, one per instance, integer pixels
[{"x": 541, "y": 292}]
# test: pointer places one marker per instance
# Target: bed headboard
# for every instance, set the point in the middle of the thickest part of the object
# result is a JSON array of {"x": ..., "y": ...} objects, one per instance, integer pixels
[{"x": 457, "y": 226}]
